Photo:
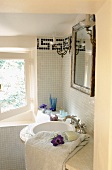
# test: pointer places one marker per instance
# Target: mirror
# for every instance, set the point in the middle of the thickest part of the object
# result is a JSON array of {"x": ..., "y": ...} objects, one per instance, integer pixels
[{"x": 83, "y": 58}]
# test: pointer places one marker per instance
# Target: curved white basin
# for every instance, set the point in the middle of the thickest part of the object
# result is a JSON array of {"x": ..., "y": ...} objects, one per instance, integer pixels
[{"x": 52, "y": 126}]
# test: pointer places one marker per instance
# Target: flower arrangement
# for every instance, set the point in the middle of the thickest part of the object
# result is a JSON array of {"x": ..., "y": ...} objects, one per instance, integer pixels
[
  {"x": 57, "y": 140},
  {"x": 43, "y": 107},
  {"x": 52, "y": 109}
]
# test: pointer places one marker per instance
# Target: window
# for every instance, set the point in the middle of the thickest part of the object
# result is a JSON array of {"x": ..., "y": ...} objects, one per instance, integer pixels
[
  {"x": 12, "y": 78},
  {"x": 15, "y": 76}
]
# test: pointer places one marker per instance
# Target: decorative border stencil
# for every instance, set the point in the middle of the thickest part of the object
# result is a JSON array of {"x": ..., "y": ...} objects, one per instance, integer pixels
[{"x": 45, "y": 43}]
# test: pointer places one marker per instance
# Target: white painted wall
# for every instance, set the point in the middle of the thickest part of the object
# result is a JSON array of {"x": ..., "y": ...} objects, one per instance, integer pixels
[
  {"x": 50, "y": 6},
  {"x": 27, "y": 42},
  {"x": 103, "y": 97}
]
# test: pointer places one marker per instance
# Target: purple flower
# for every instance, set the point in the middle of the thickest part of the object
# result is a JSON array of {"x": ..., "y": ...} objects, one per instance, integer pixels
[
  {"x": 57, "y": 140},
  {"x": 43, "y": 106},
  {"x": 52, "y": 109}
]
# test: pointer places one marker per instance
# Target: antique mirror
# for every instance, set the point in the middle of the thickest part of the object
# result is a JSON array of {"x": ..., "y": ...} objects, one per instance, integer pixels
[{"x": 83, "y": 56}]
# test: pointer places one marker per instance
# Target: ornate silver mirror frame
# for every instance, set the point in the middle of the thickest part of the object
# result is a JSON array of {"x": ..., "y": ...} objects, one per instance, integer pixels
[{"x": 89, "y": 26}]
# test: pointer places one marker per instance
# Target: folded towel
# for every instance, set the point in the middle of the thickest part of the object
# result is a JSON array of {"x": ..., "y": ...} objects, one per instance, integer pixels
[
  {"x": 40, "y": 154},
  {"x": 71, "y": 135}
]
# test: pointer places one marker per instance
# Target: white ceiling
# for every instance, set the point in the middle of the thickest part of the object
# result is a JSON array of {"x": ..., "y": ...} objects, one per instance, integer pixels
[
  {"x": 36, "y": 24},
  {"x": 42, "y": 17}
]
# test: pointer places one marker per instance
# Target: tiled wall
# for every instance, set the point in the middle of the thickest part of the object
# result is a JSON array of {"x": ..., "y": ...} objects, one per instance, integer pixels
[
  {"x": 12, "y": 154},
  {"x": 54, "y": 76},
  {"x": 49, "y": 77},
  {"x": 74, "y": 101}
]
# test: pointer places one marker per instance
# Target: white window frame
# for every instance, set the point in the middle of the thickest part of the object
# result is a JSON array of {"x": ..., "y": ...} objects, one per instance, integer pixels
[{"x": 28, "y": 77}]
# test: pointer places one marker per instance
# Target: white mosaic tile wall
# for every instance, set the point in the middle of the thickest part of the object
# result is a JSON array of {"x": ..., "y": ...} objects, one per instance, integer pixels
[
  {"x": 12, "y": 153},
  {"x": 49, "y": 72},
  {"x": 54, "y": 77},
  {"x": 74, "y": 101}
]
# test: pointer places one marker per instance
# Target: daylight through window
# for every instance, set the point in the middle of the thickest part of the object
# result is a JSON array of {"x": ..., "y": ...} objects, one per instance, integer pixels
[{"x": 12, "y": 79}]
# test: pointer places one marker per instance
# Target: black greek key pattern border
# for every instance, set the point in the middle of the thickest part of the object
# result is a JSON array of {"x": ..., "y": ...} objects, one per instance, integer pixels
[{"x": 45, "y": 43}]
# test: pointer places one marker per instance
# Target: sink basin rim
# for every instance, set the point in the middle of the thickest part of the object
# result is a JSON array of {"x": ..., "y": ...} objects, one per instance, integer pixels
[{"x": 56, "y": 127}]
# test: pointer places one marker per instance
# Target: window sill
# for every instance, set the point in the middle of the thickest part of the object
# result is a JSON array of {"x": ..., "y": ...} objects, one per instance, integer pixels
[
  {"x": 18, "y": 120},
  {"x": 17, "y": 123}
]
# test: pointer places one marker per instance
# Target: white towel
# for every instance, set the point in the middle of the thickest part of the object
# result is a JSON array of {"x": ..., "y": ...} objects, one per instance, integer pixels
[{"x": 42, "y": 155}]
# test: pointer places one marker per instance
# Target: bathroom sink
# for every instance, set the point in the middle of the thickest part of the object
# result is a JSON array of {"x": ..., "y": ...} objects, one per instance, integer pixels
[{"x": 52, "y": 126}]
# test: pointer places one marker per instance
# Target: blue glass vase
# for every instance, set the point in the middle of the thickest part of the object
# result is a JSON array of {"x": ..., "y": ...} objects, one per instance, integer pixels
[{"x": 53, "y": 102}]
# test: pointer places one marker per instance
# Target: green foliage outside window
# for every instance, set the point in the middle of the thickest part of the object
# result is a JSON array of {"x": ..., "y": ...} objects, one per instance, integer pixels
[{"x": 12, "y": 78}]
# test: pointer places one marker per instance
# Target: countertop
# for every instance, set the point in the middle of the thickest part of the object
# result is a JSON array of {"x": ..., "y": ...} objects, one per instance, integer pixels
[{"x": 83, "y": 159}]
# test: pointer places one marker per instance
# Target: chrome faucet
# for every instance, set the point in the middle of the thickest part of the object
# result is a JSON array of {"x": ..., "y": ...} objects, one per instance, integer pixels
[
  {"x": 73, "y": 119},
  {"x": 80, "y": 127}
]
